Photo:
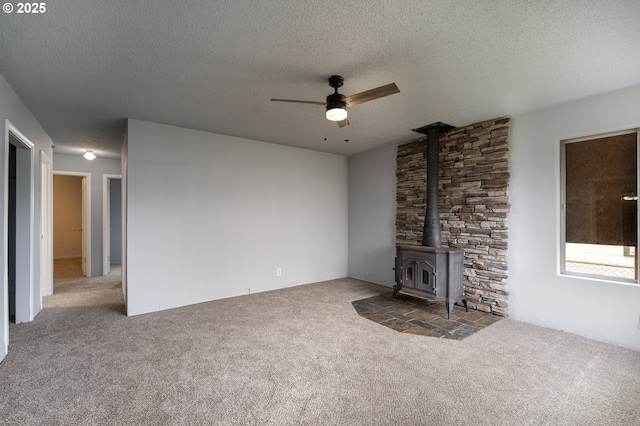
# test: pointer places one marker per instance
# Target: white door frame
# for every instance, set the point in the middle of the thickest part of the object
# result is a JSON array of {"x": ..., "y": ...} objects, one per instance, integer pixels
[
  {"x": 106, "y": 221},
  {"x": 46, "y": 226},
  {"x": 24, "y": 233},
  {"x": 86, "y": 226}
]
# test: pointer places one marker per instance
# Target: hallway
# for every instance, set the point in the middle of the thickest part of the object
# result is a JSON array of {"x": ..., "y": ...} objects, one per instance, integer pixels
[{"x": 71, "y": 288}]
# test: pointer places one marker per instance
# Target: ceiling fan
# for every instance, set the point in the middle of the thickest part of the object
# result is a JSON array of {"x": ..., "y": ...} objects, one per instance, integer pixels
[{"x": 337, "y": 103}]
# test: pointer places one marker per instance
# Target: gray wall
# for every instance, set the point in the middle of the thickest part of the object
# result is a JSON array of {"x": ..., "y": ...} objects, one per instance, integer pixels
[
  {"x": 12, "y": 109},
  {"x": 212, "y": 216},
  {"x": 115, "y": 204},
  {"x": 125, "y": 213},
  {"x": 97, "y": 167},
  {"x": 598, "y": 309},
  {"x": 372, "y": 210}
]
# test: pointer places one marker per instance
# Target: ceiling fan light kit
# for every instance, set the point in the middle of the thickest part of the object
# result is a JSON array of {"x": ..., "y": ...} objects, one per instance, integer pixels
[
  {"x": 336, "y": 112},
  {"x": 336, "y": 107},
  {"x": 337, "y": 102}
]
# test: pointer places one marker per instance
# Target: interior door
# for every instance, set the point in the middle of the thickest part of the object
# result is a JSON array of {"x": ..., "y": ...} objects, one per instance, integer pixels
[
  {"x": 107, "y": 224},
  {"x": 84, "y": 224}
]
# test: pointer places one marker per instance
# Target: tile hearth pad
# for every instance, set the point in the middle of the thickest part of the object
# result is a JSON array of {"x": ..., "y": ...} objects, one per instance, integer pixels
[{"x": 416, "y": 316}]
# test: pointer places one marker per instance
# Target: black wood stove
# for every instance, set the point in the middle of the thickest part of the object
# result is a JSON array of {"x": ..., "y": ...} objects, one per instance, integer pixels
[{"x": 430, "y": 271}]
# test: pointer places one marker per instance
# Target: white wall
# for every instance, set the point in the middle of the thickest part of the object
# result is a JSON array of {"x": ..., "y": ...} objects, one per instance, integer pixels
[
  {"x": 372, "y": 213},
  {"x": 12, "y": 109},
  {"x": 606, "y": 311},
  {"x": 97, "y": 167},
  {"x": 212, "y": 216}
]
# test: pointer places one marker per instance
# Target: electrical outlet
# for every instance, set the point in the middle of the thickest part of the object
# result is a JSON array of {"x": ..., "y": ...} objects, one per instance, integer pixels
[{"x": 279, "y": 271}]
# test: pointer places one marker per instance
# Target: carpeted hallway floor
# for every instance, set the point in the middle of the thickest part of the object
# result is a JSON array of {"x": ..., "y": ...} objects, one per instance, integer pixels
[{"x": 67, "y": 268}]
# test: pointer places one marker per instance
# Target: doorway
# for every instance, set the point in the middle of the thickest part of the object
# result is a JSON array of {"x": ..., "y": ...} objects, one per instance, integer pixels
[
  {"x": 71, "y": 223},
  {"x": 112, "y": 224},
  {"x": 18, "y": 205}
]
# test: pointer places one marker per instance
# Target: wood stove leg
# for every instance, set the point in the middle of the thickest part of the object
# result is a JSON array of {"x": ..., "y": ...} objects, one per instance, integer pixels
[
  {"x": 395, "y": 292},
  {"x": 449, "y": 309},
  {"x": 466, "y": 308}
]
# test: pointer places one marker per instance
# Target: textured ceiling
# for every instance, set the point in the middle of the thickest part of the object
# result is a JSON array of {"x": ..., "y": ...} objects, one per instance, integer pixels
[{"x": 83, "y": 67}]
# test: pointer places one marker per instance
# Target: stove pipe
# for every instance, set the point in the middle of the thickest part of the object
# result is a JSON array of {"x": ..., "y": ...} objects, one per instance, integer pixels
[{"x": 431, "y": 235}]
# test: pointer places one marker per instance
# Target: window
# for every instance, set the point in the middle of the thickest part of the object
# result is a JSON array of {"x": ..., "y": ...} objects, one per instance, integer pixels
[{"x": 599, "y": 206}]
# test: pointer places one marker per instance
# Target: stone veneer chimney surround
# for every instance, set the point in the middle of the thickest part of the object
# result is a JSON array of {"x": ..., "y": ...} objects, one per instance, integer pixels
[{"x": 473, "y": 203}]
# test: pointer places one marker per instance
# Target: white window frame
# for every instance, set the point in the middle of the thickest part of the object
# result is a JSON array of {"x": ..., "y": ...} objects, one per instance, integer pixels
[{"x": 563, "y": 201}]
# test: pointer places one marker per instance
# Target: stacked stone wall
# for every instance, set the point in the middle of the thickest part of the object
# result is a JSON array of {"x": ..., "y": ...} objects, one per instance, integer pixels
[{"x": 473, "y": 203}]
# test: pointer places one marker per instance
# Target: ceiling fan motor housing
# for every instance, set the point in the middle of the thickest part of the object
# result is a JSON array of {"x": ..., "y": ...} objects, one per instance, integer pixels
[{"x": 335, "y": 100}]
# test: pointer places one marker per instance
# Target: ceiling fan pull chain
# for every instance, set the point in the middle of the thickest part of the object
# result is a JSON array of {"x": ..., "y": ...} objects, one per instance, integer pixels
[
  {"x": 346, "y": 131},
  {"x": 326, "y": 122}
]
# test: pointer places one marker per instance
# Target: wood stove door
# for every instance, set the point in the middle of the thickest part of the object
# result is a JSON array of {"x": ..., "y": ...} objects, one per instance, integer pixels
[
  {"x": 419, "y": 275},
  {"x": 408, "y": 273},
  {"x": 426, "y": 279}
]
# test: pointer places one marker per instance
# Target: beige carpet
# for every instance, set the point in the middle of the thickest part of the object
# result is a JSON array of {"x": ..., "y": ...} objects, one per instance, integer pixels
[
  {"x": 298, "y": 356},
  {"x": 67, "y": 268}
]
